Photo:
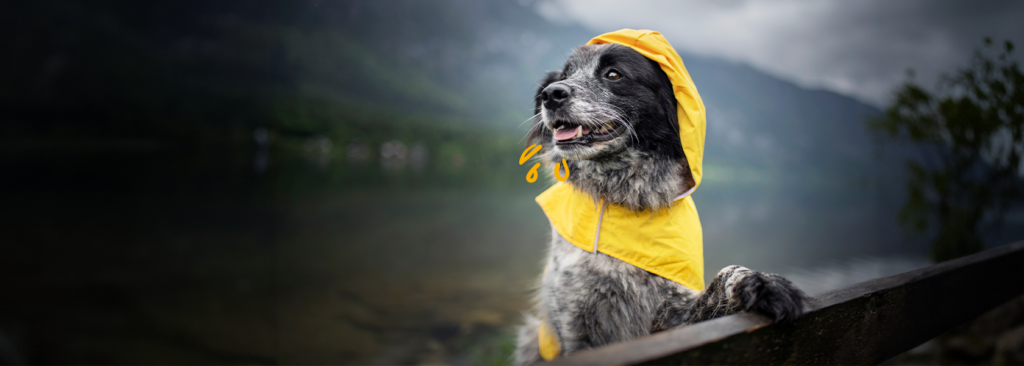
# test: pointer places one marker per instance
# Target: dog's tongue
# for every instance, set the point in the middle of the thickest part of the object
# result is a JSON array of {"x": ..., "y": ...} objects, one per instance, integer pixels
[{"x": 570, "y": 133}]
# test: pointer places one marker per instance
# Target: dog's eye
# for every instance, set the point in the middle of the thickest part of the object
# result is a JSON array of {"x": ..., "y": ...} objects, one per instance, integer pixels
[{"x": 613, "y": 75}]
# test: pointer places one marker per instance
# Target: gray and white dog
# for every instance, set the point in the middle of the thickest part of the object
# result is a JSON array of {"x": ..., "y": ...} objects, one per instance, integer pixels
[{"x": 611, "y": 113}]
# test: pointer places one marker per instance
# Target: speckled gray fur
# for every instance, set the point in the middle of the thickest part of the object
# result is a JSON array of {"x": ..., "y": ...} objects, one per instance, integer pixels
[{"x": 592, "y": 299}]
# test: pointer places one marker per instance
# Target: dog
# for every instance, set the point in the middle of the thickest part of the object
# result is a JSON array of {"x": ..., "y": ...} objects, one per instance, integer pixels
[{"x": 611, "y": 113}]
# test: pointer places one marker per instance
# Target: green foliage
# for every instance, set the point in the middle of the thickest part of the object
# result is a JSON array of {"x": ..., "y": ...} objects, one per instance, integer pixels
[
  {"x": 493, "y": 350},
  {"x": 970, "y": 132}
]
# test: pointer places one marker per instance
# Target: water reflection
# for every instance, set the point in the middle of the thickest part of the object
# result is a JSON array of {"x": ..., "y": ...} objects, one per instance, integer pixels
[
  {"x": 357, "y": 152},
  {"x": 836, "y": 274},
  {"x": 262, "y": 138},
  {"x": 393, "y": 156},
  {"x": 458, "y": 160},
  {"x": 418, "y": 156},
  {"x": 318, "y": 148},
  {"x": 186, "y": 258}
]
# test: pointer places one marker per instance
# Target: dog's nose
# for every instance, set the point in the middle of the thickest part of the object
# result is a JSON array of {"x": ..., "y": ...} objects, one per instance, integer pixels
[{"x": 554, "y": 95}]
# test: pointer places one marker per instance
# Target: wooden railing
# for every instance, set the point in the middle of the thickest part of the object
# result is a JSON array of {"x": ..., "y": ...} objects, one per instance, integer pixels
[{"x": 866, "y": 323}]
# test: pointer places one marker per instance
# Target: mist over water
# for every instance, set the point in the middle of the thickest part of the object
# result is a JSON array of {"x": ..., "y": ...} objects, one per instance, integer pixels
[{"x": 350, "y": 261}]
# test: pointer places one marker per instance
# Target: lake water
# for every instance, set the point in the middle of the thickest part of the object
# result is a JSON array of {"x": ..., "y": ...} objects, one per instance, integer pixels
[{"x": 151, "y": 254}]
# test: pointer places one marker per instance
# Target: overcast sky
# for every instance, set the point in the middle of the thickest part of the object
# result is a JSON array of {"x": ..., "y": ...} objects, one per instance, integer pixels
[{"x": 858, "y": 48}]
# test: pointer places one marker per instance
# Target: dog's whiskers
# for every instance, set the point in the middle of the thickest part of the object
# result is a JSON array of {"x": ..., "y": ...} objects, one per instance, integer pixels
[
  {"x": 612, "y": 113},
  {"x": 526, "y": 120},
  {"x": 530, "y": 131},
  {"x": 629, "y": 125}
]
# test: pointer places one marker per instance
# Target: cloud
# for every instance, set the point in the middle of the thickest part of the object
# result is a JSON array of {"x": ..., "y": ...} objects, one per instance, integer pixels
[{"x": 858, "y": 48}]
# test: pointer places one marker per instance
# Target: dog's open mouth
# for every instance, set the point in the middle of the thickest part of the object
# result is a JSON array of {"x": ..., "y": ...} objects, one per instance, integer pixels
[{"x": 568, "y": 133}]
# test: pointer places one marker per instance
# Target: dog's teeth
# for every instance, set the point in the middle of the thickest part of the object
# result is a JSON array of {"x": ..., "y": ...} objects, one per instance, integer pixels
[
  {"x": 560, "y": 127},
  {"x": 579, "y": 131}
]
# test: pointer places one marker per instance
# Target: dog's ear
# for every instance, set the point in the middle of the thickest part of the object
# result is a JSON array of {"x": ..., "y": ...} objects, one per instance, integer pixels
[
  {"x": 538, "y": 133},
  {"x": 667, "y": 101}
]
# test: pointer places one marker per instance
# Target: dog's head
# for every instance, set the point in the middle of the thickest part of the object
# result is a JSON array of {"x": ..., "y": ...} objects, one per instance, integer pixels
[{"x": 607, "y": 100}]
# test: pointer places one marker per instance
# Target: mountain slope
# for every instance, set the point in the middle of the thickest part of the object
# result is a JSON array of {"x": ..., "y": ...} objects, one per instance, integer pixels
[{"x": 353, "y": 70}]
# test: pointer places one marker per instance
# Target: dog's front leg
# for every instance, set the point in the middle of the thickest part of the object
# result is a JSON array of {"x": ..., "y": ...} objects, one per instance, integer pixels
[
  {"x": 527, "y": 346},
  {"x": 737, "y": 288},
  {"x": 594, "y": 307},
  {"x": 604, "y": 314}
]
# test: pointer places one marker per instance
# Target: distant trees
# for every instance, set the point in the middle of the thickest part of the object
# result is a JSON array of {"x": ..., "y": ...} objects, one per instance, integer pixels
[{"x": 970, "y": 132}]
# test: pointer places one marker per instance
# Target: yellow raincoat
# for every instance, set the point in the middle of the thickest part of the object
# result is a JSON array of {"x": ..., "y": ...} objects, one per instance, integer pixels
[{"x": 668, "y": 243}]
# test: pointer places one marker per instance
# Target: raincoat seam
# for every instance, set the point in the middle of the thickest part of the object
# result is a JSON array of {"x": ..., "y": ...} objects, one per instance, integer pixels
[{"x": 637, "y": 40}]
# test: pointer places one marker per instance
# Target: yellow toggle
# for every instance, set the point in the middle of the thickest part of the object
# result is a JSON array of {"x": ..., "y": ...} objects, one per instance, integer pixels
[
  {"x": 559, "y": 176},
  {"x": 524, "y": 156},
  {"x": 549, "y": 345},
  {"x": 531, "y": 176}
]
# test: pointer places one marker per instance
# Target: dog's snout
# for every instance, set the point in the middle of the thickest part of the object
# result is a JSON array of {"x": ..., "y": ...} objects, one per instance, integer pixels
[{"x": 554, "y": 95}]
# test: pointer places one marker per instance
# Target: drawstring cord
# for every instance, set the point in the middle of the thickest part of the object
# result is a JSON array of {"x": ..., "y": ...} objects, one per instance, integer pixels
[{"x": 600, "y": 218}]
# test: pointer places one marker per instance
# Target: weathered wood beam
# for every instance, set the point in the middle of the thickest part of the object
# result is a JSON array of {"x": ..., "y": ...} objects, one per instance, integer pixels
[{"x": 866, "y": 323}]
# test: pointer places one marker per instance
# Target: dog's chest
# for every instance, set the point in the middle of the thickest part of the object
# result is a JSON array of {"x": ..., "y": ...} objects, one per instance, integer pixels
[
  {"x": 569, "y": 265},
  {"x": 576, "y": 280}
]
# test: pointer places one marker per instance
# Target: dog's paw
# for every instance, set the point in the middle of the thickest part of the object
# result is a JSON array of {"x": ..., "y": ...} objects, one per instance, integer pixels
[{"x": 765, "y": 293}]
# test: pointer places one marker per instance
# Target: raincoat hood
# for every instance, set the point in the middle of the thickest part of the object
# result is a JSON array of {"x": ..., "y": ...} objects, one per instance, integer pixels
[
  {"x": 668, "y": 242},
  {"x": 690, "y": 108}
]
